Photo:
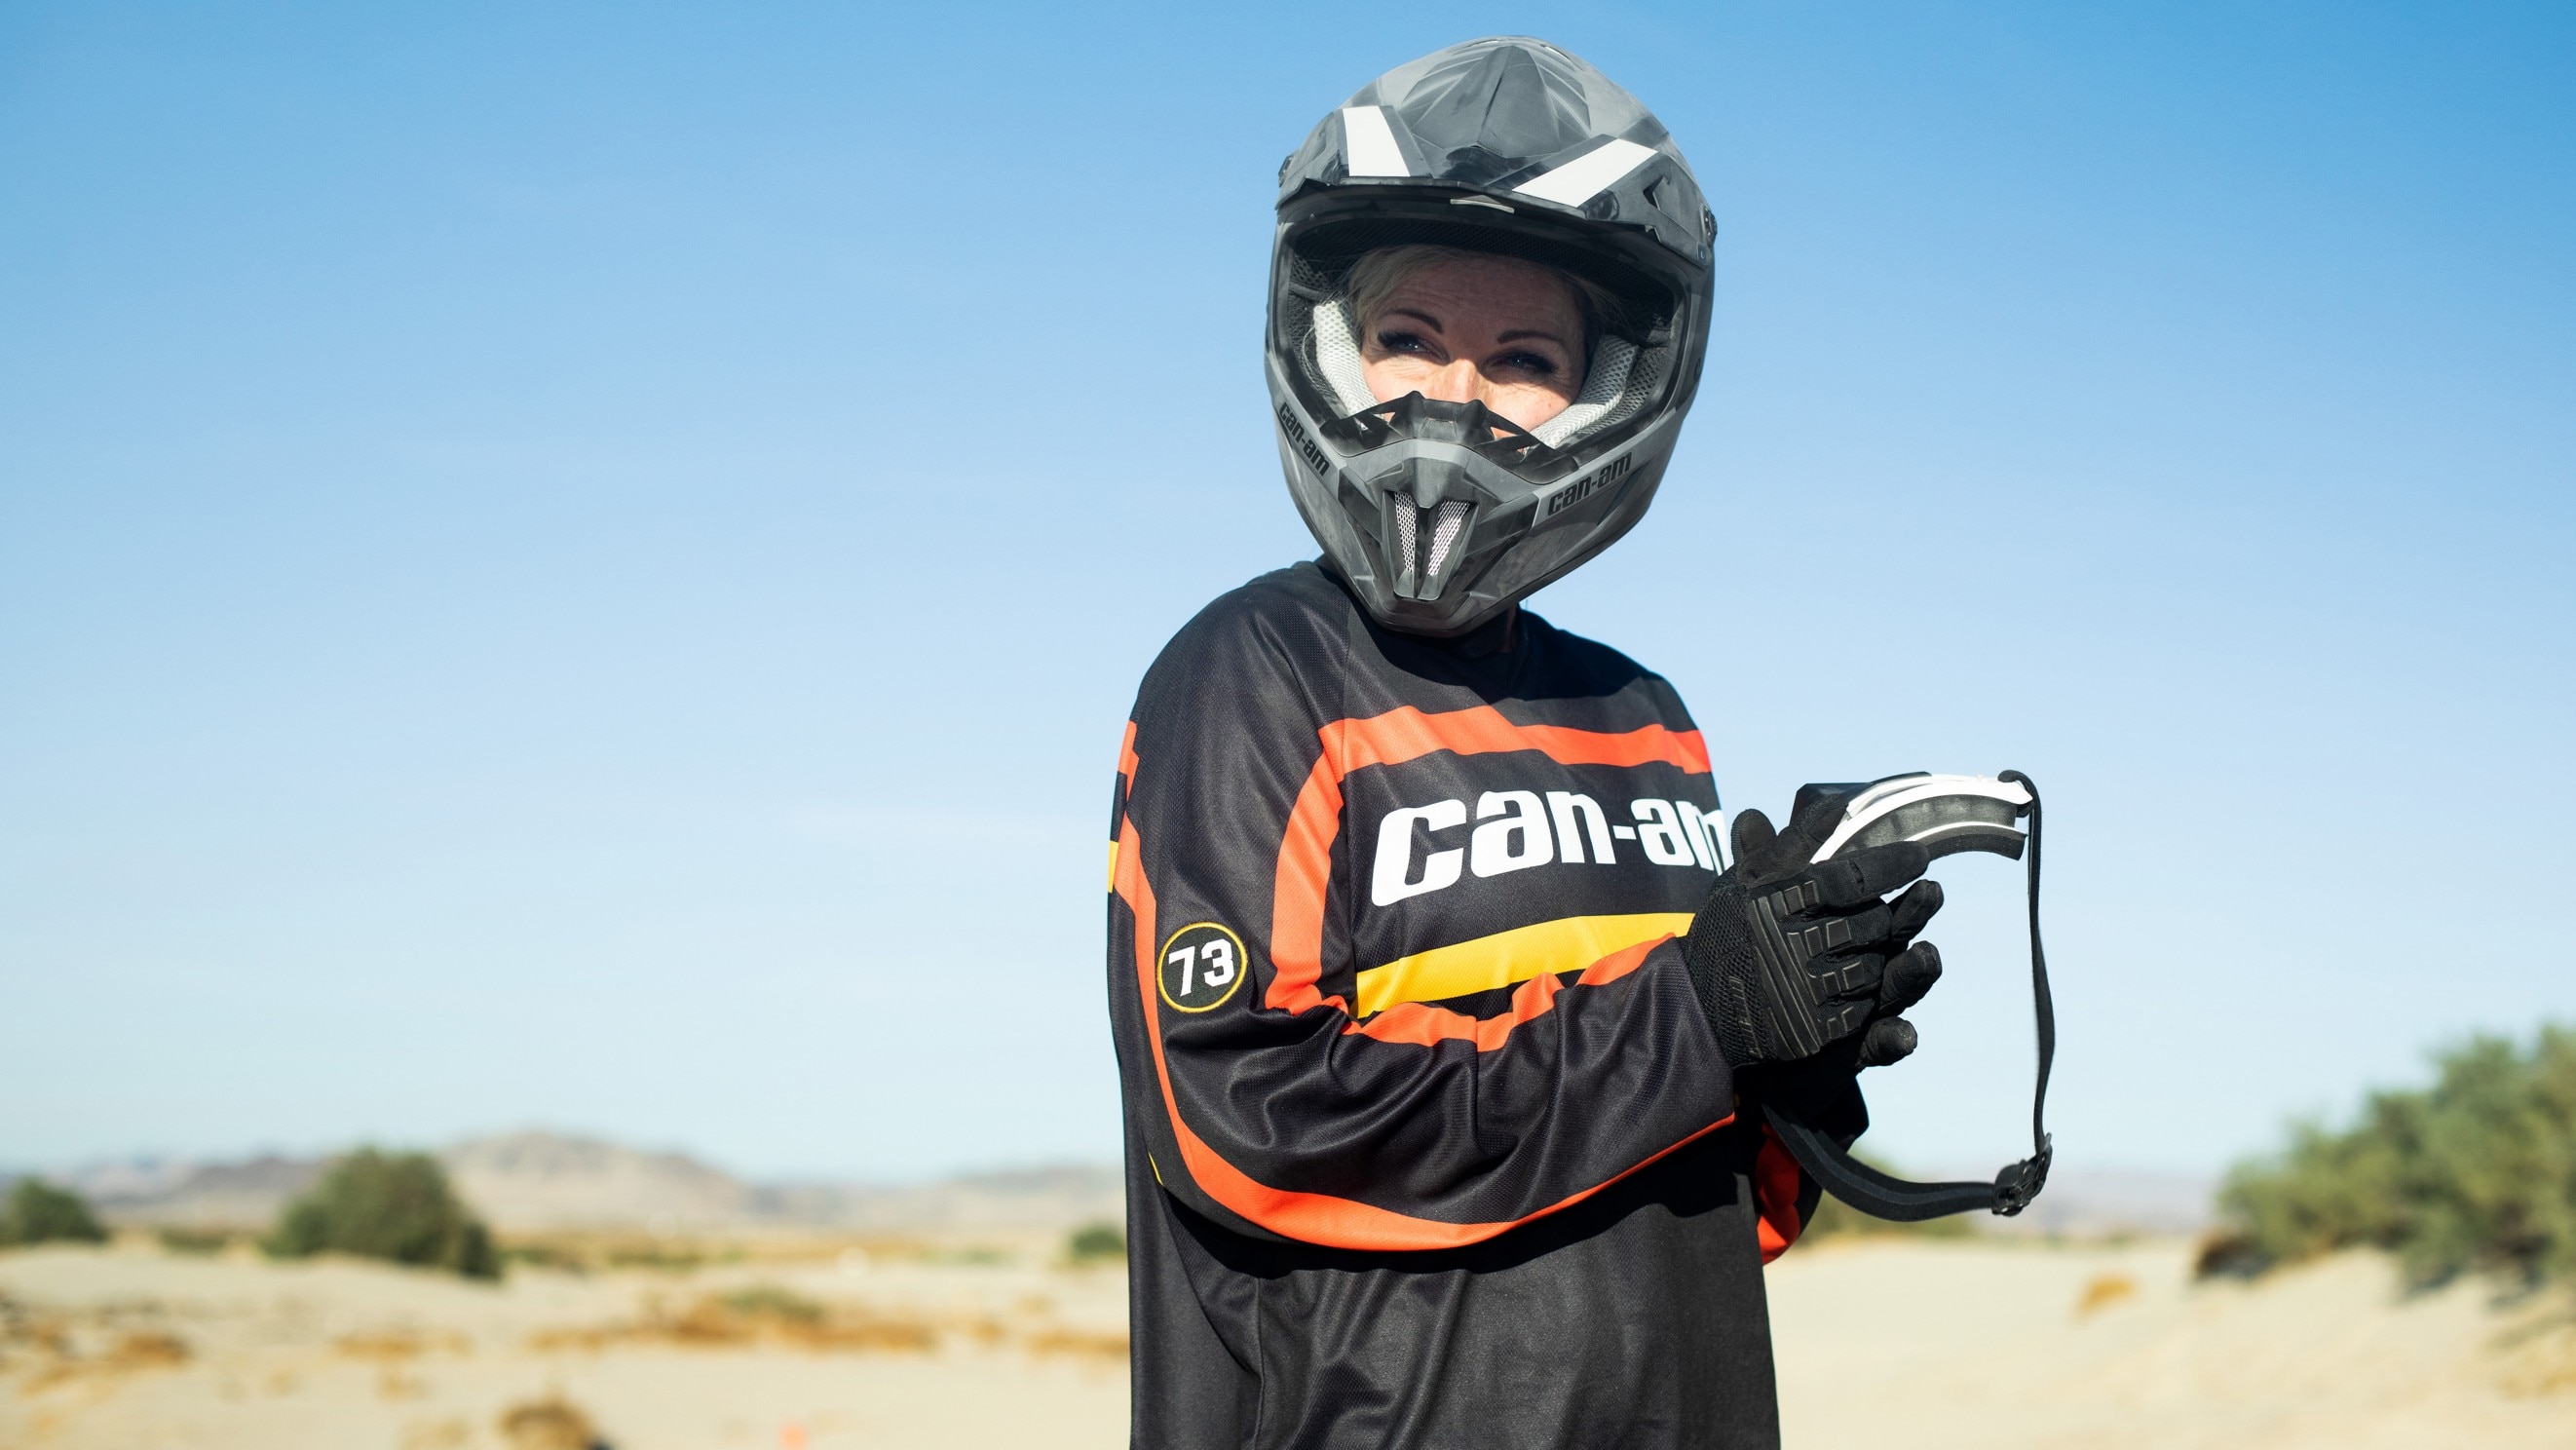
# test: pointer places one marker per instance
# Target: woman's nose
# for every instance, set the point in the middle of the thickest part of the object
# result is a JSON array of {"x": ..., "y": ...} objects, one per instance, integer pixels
[{"x": 1459, "y": 382}]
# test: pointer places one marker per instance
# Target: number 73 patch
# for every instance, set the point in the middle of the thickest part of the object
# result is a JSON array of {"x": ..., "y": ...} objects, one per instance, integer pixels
[{"x": 1202, "y": 965}]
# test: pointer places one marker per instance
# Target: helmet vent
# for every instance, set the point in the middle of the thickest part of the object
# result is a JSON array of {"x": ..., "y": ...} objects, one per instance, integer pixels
[
  {"x": 1426, "y": 543},
  {"x": 1444, "y": 532}
]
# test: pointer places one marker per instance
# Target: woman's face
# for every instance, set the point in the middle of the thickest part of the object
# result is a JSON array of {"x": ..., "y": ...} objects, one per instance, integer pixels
[{"x": 1493, "y": 330}]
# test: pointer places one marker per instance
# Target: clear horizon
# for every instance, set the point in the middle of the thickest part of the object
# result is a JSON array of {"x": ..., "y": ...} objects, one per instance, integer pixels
[
  {"x": 586, "y": 566},
  {"x": 90, "y": 1167}
]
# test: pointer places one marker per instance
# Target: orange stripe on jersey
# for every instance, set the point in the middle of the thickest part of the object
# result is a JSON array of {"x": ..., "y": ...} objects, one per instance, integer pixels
[
  {"x": 1127, "y": 754},
  {"x": 1320, "y": 1218},
  {"x": 1306, "y": 851}
]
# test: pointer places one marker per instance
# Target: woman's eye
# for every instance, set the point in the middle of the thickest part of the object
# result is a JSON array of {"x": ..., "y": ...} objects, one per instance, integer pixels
[
  {"x": 1532, "y": 363},
  {"x": 1402, "y": 342}
]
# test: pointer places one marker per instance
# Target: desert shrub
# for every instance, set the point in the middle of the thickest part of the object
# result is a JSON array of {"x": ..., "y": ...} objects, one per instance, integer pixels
[
  {"x": 770, "y": 1302},
  {"x": 545, "y": 1254},
  {"x": 671, "y": 1258},
  {"x": 39, "y": 1213},
  {"x": 549, "y": 1424},
  {"x": 394, "y": 1206},
  {"x": 1095, "y": 1243},
  {"x": 2475, "y": 1173},
  {"x": 194, "y": 1241}
]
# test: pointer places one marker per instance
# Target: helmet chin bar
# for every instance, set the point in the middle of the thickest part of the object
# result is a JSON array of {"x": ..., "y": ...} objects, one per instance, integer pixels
[
  {"x": 1470, "y": 425},
  {"x": 1445, "y": 472},
  {"x": 1428, "y": 500}
]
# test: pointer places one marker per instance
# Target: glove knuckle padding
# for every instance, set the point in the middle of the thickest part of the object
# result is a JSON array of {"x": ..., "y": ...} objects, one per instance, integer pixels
[
  {"x": 1787, "y": 996},
  {"x": 1849, "y": 977},
  {"x": 1780, "y": 968}
]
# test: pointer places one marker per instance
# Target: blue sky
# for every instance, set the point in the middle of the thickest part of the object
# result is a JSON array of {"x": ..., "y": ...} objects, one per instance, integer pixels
[{"x": 583, "y": 565}]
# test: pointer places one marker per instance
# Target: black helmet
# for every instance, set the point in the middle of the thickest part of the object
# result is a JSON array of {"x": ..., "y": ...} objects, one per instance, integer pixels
[{"x": 1441, "y": 515}]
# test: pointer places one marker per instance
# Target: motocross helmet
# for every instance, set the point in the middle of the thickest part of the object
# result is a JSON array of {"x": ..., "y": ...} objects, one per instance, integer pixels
[{"x": 1442, "y": 515}]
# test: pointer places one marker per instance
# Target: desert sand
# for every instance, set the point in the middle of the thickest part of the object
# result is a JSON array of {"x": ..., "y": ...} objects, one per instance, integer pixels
[{"x": 816, "y": 1347}]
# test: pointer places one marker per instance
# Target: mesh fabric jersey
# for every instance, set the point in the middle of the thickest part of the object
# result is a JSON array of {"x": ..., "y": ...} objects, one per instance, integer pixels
[{"x": 1428, "y": 1140}]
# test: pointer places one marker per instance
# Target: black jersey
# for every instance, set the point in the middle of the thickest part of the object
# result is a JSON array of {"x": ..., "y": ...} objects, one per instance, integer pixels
[{"x": 1429, "y": 1143}]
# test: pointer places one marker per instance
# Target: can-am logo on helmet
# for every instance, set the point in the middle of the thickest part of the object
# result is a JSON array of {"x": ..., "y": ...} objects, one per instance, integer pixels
[
  {"x": 1566, "y": 498},
  {"x": 1516, "y": 831},
  {"x": 1305, "y": 446}
]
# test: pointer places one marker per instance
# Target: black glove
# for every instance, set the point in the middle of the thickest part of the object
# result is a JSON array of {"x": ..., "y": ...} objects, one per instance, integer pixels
[{"x": 1790, "y": 958}]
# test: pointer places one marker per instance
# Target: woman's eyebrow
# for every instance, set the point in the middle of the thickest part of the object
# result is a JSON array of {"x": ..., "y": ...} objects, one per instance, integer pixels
[
  {"x": 1516, "y": 334},
  {"x": 1414, "y": 312}
]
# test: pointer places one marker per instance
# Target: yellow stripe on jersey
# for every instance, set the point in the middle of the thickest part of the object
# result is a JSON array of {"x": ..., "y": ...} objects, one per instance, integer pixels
[{"x": 1566, "y": 944}]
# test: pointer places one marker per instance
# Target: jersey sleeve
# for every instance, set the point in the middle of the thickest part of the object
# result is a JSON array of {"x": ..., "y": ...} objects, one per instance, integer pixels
[
  {"x": 1785, "y": 1196},
  {"x": 1262, "y": 1101}
]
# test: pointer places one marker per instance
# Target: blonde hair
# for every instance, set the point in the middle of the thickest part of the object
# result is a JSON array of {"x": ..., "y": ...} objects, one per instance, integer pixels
[{"x": 1376, "y": 276}]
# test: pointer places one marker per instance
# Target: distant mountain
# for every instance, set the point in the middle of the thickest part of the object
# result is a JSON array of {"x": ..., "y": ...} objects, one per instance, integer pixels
[
  {"x": 542, "y": 1181},
  {"x": 1022, "y": 1198},
  {"x": 534, "y": 1181},
  {"x": 2082, "y": 1203},
  {"x": 204, "y": 1195},
  {"x": 537, "y": 1181}
]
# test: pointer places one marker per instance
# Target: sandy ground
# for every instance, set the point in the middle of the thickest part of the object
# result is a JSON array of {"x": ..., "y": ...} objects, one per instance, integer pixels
[
  {"x": 913, "y": 1353},
  {"x": 1934, "y": 1344},
  {"x": 1960, "y": 1344}
]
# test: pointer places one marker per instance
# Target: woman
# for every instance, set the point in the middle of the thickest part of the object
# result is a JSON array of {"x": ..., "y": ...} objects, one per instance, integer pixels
[{"x": 1434, "y": 993}]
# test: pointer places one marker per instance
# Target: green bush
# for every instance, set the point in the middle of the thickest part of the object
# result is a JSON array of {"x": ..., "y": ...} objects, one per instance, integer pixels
[
  {"x": 1096, "y": 1243},
  {"x": 197, "y": 1241},
  {"x": 387, "y": 1206},
  {"x": 772, "y": 1303},
  {"x": 40, "y": 1213},
  {"x": 2476, "y": 1173}
]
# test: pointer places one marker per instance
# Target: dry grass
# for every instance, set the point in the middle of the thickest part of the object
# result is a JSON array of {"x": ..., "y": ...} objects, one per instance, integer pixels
[
  {"x": 765, "y": 1315},
  {"x": 2104, "y": 1290},
  {"x": 757, "y": 1316},
  {"x": 395, "y": 1346},
  {"x": 591, "y": 1252},
  {"x": 1078, "y": 1344},
  {"x": 2539, "y": 1352},
  {"x": 552, "y": 1423},
  {"x": 130, "y": 1353}
]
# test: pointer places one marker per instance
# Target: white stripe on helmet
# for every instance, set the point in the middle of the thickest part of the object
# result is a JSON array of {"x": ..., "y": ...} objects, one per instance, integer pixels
[
  {"x": 1583, "y": 178},
  {"x": 1369, "y": 143}
]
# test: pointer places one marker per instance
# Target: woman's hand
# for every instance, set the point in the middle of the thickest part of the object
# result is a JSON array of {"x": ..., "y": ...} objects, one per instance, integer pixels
[{"x": 1790, "y": 957}]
